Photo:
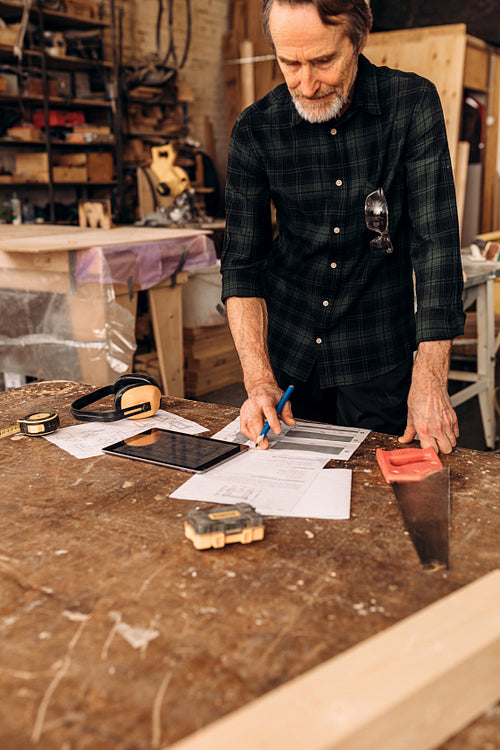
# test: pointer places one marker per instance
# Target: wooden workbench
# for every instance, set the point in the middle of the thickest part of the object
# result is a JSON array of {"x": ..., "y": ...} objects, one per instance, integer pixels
[
  {"x": 116, "y": 634},
  {"x": 74, "y": 294}
]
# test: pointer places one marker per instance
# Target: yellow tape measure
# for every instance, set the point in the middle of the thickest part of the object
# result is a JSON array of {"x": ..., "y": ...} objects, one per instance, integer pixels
[{"x": 37, "y": 424}]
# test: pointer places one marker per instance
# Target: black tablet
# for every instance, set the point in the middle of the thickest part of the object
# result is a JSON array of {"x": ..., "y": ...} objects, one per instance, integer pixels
[{"x": 176, "y": 449}]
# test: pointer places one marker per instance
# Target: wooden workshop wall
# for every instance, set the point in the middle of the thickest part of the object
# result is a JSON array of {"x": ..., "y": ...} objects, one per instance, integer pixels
[
  {"x": 249, "y": 68},
  {"x": 203, "y": 71},
  {"x": 457, "y": 63}
]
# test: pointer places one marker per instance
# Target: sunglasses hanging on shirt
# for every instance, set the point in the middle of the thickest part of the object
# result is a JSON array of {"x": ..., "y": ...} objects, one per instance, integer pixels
[{"x": 377, "y": 220}]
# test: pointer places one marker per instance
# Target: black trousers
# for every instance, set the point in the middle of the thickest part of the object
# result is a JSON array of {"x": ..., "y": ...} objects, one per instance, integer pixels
[{"x": 379, "y": 404}]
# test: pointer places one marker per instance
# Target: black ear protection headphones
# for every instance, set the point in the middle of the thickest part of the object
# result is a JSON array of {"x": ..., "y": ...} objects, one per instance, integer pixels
[{"x": 136, "y": 397}]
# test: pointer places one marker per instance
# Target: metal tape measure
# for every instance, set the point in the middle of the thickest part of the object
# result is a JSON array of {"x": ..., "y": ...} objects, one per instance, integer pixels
[{"x": 37, "y": 424}]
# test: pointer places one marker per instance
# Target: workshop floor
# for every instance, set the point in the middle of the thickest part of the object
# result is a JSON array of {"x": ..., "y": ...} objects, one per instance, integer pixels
[{"x": 469, "y": 416}]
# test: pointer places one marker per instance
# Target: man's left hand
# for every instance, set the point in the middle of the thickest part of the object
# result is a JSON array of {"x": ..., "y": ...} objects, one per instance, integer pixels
[{"x": 431, "y": 416}]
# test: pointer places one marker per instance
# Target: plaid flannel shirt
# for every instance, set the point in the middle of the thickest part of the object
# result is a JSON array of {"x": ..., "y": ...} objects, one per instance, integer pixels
[{"x": 331, "y": 299}]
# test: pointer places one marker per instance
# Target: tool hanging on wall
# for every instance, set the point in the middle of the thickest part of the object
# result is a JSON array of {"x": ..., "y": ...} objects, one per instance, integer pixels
[
  {"x": 23, "y": 26},
  {"x": 157, "y": 70},
  {"x": 36, "y": 425},
  {"x": 171, "y": 51}
]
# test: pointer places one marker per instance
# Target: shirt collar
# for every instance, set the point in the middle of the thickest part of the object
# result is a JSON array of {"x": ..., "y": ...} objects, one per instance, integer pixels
[
  {"x": 366, "y": 89},
  {"x": 365, "y": 94}
]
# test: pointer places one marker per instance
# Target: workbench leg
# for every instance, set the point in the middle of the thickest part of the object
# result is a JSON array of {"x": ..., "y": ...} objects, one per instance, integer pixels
[
  {"x": 165, "y": 306},
  {"x": 103, "y": 320},
  {"x": 486, "y": 360}
]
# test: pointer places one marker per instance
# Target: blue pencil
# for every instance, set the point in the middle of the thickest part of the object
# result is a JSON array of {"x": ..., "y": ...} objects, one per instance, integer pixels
[{"x": 279, "y": 409}]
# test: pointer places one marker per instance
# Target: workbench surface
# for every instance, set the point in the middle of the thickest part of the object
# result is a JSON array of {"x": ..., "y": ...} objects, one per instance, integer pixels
[
  {"x": 116, "y": 633},
  {"x": 41, "y": 238}
]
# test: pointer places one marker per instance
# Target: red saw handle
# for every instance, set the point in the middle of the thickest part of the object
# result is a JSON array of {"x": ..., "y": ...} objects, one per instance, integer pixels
[{"x": 408, "y": 464}]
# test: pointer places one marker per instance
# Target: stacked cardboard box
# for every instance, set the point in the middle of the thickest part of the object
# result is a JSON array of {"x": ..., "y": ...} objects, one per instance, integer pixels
[
  {"x": 25, "y": 133},
  {"x": 9, "y": 33},
  {"x": 78, "y": 167},
  {"x": 82, "y": 9}
]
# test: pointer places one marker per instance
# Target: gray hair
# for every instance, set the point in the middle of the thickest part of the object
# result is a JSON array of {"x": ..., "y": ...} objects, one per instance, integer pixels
[{"x": 358, "y": 14}]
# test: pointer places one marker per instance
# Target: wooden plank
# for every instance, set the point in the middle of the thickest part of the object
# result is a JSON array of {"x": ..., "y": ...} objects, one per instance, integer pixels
[
  {"x": 47, "y": 272},
  {"x": 496, "y": 202},
  {"x": 231, "y": 78},
  {"x": 214, "y": 363},
  {"x": 208, "y": 341},
  {"x": 165, "y": 305},
  {"x": 477, "y": 65},
  {"x": 200, "y": 388},
  {"x": 199, "y": 381},
  {"x": 83, "y": 238},
  {"x": 461, "y": 178},
  {"x": 9, "y": 231},
  {"x": 412, "y": 686},
  {"x": 231, "y": 41},
  {"x": 489, "y": 221},
  {"x": 247, "y": 76},
  {"x": 267, "y": 72}
]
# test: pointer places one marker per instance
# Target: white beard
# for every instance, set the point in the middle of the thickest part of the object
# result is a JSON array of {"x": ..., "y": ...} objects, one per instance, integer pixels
[{"x": 318, "y": 111}]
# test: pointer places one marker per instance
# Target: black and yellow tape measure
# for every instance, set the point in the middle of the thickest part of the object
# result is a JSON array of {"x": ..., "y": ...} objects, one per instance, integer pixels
[
  {"x": 220, "y": 525},
  {"x": 38, "y": 424}
]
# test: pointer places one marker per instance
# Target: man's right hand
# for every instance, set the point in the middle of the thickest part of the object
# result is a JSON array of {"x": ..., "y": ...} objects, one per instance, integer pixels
[
  {"x": 247, "y": 317},
  {"x": 261, "y": 406}
]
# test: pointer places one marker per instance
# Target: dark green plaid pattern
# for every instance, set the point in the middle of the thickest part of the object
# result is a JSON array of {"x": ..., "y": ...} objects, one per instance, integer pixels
[{"x": 331, "y": 298}]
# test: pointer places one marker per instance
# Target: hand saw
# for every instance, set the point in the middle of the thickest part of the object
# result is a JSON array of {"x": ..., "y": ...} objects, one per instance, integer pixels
[{"x": 422, "y": 488}]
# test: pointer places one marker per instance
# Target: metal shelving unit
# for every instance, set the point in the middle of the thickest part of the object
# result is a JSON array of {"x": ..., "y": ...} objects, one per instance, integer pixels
[{"x": 101, "y": 108}]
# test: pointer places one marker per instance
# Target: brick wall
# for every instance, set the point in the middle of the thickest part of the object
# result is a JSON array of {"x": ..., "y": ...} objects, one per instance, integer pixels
[{"x": 203, "y": 70}]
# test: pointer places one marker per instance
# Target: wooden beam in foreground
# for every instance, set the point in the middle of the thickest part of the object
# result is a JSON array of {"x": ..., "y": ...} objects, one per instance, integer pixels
[{"x": 410, "y": 687}]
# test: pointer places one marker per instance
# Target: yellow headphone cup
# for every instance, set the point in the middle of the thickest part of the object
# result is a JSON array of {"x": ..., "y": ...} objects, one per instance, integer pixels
[
  {"x": 140, "y": 440},
  {"x": 141, "y": 394}
]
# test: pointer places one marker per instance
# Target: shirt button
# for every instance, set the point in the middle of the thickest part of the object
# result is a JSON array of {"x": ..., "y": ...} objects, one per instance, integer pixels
[
  {"x": 325, "y": 303},
  {"x": 333, "y": 265},
  {"x": 336, "y": 230},
  {"x": 333, "y": 131},
  {"x": 319, "y": 341},
  {"x": 338, "y": 183}
]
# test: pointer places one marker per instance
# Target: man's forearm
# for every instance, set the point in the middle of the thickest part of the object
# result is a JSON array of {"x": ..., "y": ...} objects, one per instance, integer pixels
[
  {"x": 430, "y": 413},
  {"x": 432, "y": 362},
  {"x": 247, "y": 317}
]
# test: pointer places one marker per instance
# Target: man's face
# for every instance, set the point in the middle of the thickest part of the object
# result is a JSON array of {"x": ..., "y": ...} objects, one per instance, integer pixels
[{"x": 318, "y": 62}]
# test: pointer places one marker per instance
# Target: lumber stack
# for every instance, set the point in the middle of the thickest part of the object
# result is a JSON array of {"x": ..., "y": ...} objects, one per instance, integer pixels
[
  {"x": 246, "y": 78},
  {"x": 210, "y": 360},
  {"x": 147, "y": 364}
]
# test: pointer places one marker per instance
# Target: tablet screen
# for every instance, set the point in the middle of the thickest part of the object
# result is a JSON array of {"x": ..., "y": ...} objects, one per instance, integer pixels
[{"x": 176, "y": 449}]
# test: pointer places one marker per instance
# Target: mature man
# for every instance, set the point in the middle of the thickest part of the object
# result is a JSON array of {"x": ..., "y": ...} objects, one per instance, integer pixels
[{"x": 355, "y": 160}]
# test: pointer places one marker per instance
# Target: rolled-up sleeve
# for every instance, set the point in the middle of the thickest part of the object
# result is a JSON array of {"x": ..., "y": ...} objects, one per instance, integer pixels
[
  {"x": 435, "y": 246},
  {"x": 248, "y": 234}
]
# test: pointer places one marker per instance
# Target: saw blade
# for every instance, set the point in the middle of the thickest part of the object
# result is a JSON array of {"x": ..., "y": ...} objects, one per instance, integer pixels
[{"x": 425, "y": 506}]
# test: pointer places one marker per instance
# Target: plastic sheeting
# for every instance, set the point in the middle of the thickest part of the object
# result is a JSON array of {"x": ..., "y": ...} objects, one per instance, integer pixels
[
  {"x": 146, "y": 264},
  {"x": 85, "y": 334}
]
